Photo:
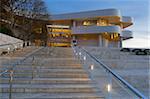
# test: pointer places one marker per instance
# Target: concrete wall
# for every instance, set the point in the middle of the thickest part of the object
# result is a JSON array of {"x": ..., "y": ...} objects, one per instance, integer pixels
[
  {"x": 8, "y": 43},
  {"x": 133, "y": 68}
]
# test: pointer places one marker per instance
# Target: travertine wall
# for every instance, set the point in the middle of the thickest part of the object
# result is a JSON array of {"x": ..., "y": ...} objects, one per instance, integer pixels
[{"x": 133, "y": 68}]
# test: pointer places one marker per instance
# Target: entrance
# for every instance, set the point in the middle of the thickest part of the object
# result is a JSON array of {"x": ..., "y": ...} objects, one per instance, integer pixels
[{"x": 59, "y": 36}]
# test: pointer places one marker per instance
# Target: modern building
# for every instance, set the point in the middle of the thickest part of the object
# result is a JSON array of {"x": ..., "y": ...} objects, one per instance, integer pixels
[{"x": 104, "y": 28}]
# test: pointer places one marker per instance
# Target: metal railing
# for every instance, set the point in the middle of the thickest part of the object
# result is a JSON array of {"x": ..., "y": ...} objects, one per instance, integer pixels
[
  {"x": 11, "y": 43},
  {"x": 11, "y": 70},
  {"x": 83, "y": 53},
  {"x": 10, "y": 47}
]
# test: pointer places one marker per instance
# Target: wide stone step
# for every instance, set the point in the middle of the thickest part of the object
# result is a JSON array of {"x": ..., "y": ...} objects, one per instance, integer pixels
[
  {"x": 62, "y": 75},
  {"x": 46, "y": 81},
  {"x": 39, "y": 70},
  {"x": 47, "y": 88},
  {"x": 61, "y": 67},
  {"x": 49, "y": 64},
  {"x": 58, "y": 64},
  {"x": 48, "y": 75},
  {"x": 81, "y": 71},
  {"x": 53, "y": 96},
  {"x": 29, "y": 67}
]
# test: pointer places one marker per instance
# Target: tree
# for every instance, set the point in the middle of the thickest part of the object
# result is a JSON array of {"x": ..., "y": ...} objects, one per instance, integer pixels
[
  {"x": 36, "y": 10},
  {"x": 24, "y": 13}
]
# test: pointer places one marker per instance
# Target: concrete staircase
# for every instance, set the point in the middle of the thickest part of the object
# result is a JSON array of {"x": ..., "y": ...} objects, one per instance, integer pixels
[{"x": 53, "y": 73}]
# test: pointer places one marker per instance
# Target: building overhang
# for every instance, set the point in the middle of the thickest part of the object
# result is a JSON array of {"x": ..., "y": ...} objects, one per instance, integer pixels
[
  {"x": 126, "y": 21},
  {"x": 86, "y": 14},
  {"x": 126, "y": 34},
  {"x": 112, "y": 15}
]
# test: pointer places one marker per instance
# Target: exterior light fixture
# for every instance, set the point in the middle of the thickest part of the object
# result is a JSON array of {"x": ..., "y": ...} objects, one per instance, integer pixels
[
  {"x": 76, "y": 53},
  {"x": 108, "y": 87},
  {"x": 92, "y": 67},
  {"x": 84, "y": 58},
  {"x": 79, "y": 53},
  {"x": 15, "y": 46},
  {"x": 67, "y": 36},
  {"x": 8, "y": 49}
]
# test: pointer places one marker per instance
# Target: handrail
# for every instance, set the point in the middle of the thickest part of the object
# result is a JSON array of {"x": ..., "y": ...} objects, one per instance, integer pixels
[
  {"x": 9, "y": 44},
  {"x": 117, "y": 76},
  {"x": 5, "y": 71},
  {"x": 17, "y": 63},
  {"x": 11, "y": 71}
]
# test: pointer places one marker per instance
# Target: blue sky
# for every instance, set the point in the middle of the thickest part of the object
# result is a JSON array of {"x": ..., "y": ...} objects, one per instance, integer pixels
[{"x": 138, "y": 9}]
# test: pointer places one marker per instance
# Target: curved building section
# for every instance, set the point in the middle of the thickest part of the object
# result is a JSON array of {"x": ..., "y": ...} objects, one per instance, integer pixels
[
  {"x": 126, "y": 34},
  {"x": 87, "y": 14},
  {"x": 126, "y": 21},
  {"x": 104, "y": 28},
  {"x": 95, "y": 29}
]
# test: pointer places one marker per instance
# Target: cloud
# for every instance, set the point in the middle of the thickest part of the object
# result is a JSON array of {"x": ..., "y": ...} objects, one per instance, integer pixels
[{"x": 138, "y": 42}]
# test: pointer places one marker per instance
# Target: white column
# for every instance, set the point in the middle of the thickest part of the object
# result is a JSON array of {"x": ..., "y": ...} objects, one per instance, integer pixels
[
  {"x": 106, "y": 43},
  {"x": 100, "y": 41},
  {"x": 73, "y": 37},
  {"x": 74, "y": 23},
  {"x": 120, "y": 43}
]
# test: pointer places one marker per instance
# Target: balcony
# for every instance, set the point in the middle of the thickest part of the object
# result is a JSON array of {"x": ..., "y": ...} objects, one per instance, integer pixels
[
  {"x": 126, "y": 34},
  {"x": 127, "y": 19},
  {"x": 95, "y": 29}
]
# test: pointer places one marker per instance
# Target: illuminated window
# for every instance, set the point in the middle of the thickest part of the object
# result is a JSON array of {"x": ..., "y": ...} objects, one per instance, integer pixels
[
  {"x": 91, "y": 22},
  {"x": 102, "y": 22},
  {"x": 86, "y": 23}
]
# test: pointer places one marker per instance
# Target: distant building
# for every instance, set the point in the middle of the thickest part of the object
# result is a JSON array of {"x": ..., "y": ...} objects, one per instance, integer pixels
[{"x": 104, "y": 28}]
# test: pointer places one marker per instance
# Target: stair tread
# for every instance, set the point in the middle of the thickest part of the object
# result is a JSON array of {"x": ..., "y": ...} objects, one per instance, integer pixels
[
  {"x": 54, "y": 95},
  {"x": 46, "y": 86},
  {"x": 65, "y": 79}
]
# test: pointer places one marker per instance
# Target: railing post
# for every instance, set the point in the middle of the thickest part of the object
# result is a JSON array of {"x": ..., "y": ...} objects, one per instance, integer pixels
[
  {"x": 10, "y": 83},
  {"x": 33, "y": 67},
  {"x": 109, "y": 86}
]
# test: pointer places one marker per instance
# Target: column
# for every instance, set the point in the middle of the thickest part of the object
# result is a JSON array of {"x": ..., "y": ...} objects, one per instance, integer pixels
[
  {"x": 74, "y": 23},
  {"x": 106, "y": 42},
  {"x": 100, "y": 41}
]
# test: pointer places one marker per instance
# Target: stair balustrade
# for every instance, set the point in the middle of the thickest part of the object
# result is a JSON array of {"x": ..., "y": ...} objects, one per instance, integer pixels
[
  {"x": 105, "y": 79},
  {"x": 11, "y": 70}
]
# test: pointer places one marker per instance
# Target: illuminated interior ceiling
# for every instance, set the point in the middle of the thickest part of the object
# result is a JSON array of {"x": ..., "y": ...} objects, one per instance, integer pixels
[
  {"x": 111, "y": 37},
  {"x": 59, "y": 35},
  {"x": 59, "y": 30},
  {"x": 59, "y": 44},
  {"x": 54, "y": 30},
  {"x": 62, "y": 22}
]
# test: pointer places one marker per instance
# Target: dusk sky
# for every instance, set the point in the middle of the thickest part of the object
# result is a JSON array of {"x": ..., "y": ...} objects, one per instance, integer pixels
[{"x": 138, "y": 9}]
